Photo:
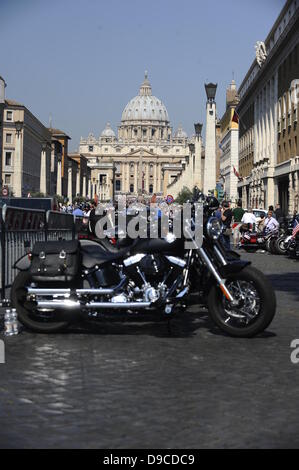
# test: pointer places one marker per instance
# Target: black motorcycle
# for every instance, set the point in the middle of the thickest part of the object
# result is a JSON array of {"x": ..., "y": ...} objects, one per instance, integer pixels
[{"x": 62, "y": 281}]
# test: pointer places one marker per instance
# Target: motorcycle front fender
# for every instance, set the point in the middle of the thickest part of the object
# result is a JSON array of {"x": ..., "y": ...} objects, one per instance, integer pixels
[
  {"x": 233, "y": 267},
  {"x": 23, "y": 263}
]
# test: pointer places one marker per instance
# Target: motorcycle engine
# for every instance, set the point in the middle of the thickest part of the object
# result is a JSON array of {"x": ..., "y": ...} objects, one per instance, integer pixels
[{"x": 152, "y": 274}]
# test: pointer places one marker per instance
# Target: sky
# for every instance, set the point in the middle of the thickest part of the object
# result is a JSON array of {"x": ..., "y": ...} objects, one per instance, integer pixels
[{"x": 81, "y": 61}]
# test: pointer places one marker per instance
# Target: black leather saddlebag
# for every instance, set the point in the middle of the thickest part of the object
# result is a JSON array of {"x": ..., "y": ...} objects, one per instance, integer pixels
[{"x": 55, "y": 261}]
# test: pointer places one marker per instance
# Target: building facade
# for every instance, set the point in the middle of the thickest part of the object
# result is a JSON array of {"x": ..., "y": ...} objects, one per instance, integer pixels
[
  {"x": 145, "y": 157},
  {"x": 268, "y": 112},
  {"x": 25, "y": 151},
  {"x": 229, "y": 145}
]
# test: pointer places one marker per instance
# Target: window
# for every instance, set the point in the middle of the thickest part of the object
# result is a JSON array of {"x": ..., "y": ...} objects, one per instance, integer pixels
[
  {"x": 131, "y": 188},
  {"x": 151, "y": 189},
  {"x": 8, "y": 158},
  {"x": 90, "y": 148},
  {"x": 7, "y": 179},
  {"x": 106, "y": 149},
  {"x": 8, "y": 115},
  {"x": 117, "y": 185},
  {"x": 102, "y": 179},
  {"x": 8, "y": 138}
]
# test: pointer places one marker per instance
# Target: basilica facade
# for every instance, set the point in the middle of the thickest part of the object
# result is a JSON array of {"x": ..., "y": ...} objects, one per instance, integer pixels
[{"x": 144, "y": 157}]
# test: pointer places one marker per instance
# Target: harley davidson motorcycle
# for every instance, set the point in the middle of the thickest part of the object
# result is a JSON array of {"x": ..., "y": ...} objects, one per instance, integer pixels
[{"x": 62, "y": 281}]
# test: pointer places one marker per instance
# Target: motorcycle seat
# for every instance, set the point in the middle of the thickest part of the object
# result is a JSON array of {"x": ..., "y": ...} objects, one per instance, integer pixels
[{"x": 94, "y": 254}]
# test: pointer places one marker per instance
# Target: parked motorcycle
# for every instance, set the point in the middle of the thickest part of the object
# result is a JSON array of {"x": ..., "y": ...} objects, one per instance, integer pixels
[
  {"x": 252, "y": 240},
  {"x": 63, "y": 281},
  {"x": 292, "y": 244}
]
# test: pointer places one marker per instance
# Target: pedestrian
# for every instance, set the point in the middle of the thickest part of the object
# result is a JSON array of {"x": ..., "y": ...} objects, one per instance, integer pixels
[
  {"x": 218, "y": 213},
  {"x": 249, "y": 218},
  {"x": 78, "y": 212},
  {"x": 226, "y": 218},
  {"x": 270, "y": 223},
  {"x": 238, "y": 213}
]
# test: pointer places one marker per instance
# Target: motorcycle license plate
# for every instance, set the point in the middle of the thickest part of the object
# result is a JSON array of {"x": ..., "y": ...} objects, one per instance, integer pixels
[{"x": 260, "y": 240}]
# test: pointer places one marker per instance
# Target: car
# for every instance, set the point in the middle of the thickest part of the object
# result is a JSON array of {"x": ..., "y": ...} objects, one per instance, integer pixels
[{"x": 259, "y": 212}]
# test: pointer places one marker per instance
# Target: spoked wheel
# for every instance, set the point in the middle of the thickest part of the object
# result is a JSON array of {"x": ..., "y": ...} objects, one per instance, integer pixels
[
  {"x": 41, "y": 321},
  {"x": 256, "y": 304},
  {"x": 280, "y": 245}
]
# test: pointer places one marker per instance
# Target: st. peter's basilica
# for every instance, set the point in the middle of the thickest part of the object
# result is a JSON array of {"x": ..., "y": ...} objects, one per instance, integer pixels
[{"x": 145, "y": 156}]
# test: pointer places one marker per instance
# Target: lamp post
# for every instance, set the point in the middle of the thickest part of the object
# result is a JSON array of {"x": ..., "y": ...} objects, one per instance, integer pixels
[
  {"x": 210, "y": 150},
  {"x": 211, "y": 92},
  {"x": 113, "y": 181},
  {"x": 198, "y": 129},
  {"x": 59, "y": 182},
  {"x": 197, "y": 173},
  {"x": 2, "y": 106},
  {"x": 43, "y": 168},
  {"x": 18, "y": 160}
]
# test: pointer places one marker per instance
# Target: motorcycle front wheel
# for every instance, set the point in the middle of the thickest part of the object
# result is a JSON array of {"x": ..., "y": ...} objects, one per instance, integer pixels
[{"x": 256, "y": 304}]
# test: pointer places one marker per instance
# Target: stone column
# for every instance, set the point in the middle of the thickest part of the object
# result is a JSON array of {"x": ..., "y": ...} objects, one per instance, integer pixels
[
  {"x": 17, "y": 178},
  {"x": 146, "y": 185},
  {"x": 89, "y": 188},
  {"x": 159, "y": 170},
  {"x": 43, "y": 172},
  {"x": 155, "y": 179},
  {"x": 165, "y": 182},
  {"x": 128, "y": 177},
  {"x": 136, "y": 178},
  {"x": 296, "y": 188},
  {"x": 78, "y": 182},
  {"x": 84, "y": 186},
  {"x": 69, "y": 184},
  {"x": 210, "y": 153},
  {"x": 59, "y": 181},
  {"x": 291, "y": 194},
  {"x": 197, "y": 163}
]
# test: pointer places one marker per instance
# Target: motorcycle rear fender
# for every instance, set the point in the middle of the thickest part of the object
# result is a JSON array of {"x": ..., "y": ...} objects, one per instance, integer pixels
[
  {"x": 233, "y": 267},
  {"x": 23, "y": 263}
]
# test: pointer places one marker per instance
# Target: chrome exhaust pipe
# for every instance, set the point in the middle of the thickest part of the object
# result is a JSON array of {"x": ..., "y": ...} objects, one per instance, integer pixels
[
  {"x": 44, "y": 304},
  {"x": 67, "y": 292}
]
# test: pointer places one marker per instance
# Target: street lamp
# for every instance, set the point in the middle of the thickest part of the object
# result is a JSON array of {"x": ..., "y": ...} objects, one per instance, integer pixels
[
  {"x": 211, "y": 91},
  {"x": 198, "y": 129},
  {"x": 19, "y": 127},
  {"x": 113, "y": 181}
]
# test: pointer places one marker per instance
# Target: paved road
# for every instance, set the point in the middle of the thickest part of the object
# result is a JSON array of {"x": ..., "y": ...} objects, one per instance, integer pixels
[{"x": 131, "y": 385}]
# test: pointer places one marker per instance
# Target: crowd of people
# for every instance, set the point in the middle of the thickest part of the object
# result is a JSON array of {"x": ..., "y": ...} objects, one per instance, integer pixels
[{"x": 234, "y": 220}]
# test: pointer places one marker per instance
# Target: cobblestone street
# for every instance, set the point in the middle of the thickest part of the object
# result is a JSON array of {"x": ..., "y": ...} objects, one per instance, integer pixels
[{"x": 132, "y": 385}]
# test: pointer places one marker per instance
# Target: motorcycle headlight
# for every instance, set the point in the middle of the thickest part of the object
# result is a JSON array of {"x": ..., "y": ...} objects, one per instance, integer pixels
[{"x": 214, "y": 228}]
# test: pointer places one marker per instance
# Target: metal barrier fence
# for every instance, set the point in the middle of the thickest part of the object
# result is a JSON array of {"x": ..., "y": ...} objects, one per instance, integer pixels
[{"x": 21, "y": 228}]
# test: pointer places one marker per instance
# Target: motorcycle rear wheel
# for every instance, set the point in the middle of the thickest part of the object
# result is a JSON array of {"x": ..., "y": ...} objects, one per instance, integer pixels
[
  {"x": 256, "y": 310},
  {"x": 26, "y": 313}
]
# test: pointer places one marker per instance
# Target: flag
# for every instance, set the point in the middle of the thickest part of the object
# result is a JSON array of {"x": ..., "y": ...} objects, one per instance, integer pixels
[
  {"x": 235, "y": 117},
  {"x": 295, "y": 230},
  {"x": 237, "y": 174}
]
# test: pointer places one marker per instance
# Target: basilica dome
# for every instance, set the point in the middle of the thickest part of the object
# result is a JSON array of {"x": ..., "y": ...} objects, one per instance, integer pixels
[
  {"x": 145, "y": 106},
  {"x": 180, "y": 133},
  {"x": 108, "y": 131}
]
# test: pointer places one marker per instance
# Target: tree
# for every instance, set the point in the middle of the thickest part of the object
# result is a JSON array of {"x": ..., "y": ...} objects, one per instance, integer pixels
[
  {"x": 184, "y": 195},
  {"x": 37, "y": 194}
]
